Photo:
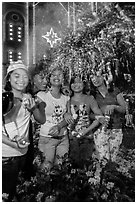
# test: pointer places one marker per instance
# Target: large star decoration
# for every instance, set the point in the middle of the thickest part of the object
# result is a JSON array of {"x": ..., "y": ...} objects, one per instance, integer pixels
[{"x": 51, "y": 37}]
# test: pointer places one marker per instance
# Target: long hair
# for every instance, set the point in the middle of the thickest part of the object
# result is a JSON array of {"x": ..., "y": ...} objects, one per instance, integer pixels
[
  {"x": 49, "y": 75},
  {"x": 72, "y": 81},
  {"x": 94, "y": 88}
]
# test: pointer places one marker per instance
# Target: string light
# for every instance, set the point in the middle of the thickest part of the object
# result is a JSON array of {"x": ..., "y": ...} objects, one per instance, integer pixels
[
  {"x": 19, "y": 33},
  {"x": 10, "y": 55},
  {"x": 19, "y": 55},
  {"x": 10, "y": 31}
]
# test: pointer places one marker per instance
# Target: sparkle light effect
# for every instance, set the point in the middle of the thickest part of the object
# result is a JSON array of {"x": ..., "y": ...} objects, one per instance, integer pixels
[{"x": 51, "y": 37}]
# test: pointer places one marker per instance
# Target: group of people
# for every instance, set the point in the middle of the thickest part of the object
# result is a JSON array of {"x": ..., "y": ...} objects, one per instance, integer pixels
[{"x": 71, "y": 126}]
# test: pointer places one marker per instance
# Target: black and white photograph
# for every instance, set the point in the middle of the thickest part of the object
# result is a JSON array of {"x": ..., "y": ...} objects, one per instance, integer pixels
[{"x": 68, "y": 101}]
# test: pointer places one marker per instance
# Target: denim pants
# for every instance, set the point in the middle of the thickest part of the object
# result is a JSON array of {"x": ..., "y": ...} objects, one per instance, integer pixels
[
  {"x": 11, "y": 167},
  {"x": 53, "y": 150},
  {"x": 81, "y": 151}
]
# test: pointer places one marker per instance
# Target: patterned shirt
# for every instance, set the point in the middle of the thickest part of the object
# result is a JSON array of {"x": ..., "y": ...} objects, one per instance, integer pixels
[
  {"x": 54, "y": 110},
  {"x": 82, "y": 109}
]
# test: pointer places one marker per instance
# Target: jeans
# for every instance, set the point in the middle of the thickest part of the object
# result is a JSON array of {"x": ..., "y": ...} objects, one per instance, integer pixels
[
  {"x": 11, "y": 167},
  {"x": 53, "y": 150},
  {"x": 81, "y": 151}
]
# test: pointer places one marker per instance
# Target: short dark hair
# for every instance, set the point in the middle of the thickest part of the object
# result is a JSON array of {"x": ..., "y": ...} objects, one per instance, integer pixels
[{"x": 39, "y": 67}]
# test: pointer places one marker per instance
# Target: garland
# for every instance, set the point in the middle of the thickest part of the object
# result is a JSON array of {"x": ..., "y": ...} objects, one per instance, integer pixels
[{"x": 102, "y": 41}]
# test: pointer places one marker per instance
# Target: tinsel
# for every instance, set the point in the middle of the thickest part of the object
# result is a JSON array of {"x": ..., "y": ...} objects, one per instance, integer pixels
[{"x": 101, "y": 40}]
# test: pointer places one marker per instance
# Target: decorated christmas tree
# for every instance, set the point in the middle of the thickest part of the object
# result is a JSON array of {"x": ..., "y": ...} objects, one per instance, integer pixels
[{"x": 104, "y": 39}]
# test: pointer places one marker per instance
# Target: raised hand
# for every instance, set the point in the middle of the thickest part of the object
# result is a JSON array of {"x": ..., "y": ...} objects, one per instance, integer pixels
[{"x": 28, "y": 102}]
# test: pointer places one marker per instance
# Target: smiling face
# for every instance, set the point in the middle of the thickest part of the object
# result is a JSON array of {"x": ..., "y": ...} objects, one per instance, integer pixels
[
  {"x": 19, "y": 79},
  {"x": 40, "y": 81},
  {"x": 56, "y": 78},
  {"x": 97, "y": 80},
  {"x": 77, "y": 86}
]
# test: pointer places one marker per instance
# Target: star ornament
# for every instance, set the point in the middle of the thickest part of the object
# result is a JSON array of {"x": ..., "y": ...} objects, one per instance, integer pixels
[{"x": 51, "y": 37}]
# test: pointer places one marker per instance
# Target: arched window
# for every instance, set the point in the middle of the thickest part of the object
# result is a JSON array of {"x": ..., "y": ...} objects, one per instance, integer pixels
[
  {"x": 14, "y": 27},
  {"x": 15, "y": 35}
]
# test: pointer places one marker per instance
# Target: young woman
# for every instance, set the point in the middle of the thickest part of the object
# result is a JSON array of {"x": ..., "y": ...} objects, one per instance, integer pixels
[
  {"x": 15, "y": 130},
  {"x": 53, "y": 140},
  {"x": 39, "y": 78},
  {"x": 38, "y": 75},
  {"x": 112, "y": 105},
  {"x": 80, "y": 107}
]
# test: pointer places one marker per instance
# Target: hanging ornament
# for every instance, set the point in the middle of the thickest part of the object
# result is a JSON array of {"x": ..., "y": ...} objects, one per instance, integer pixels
[{"x": 96, "y": 45}]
